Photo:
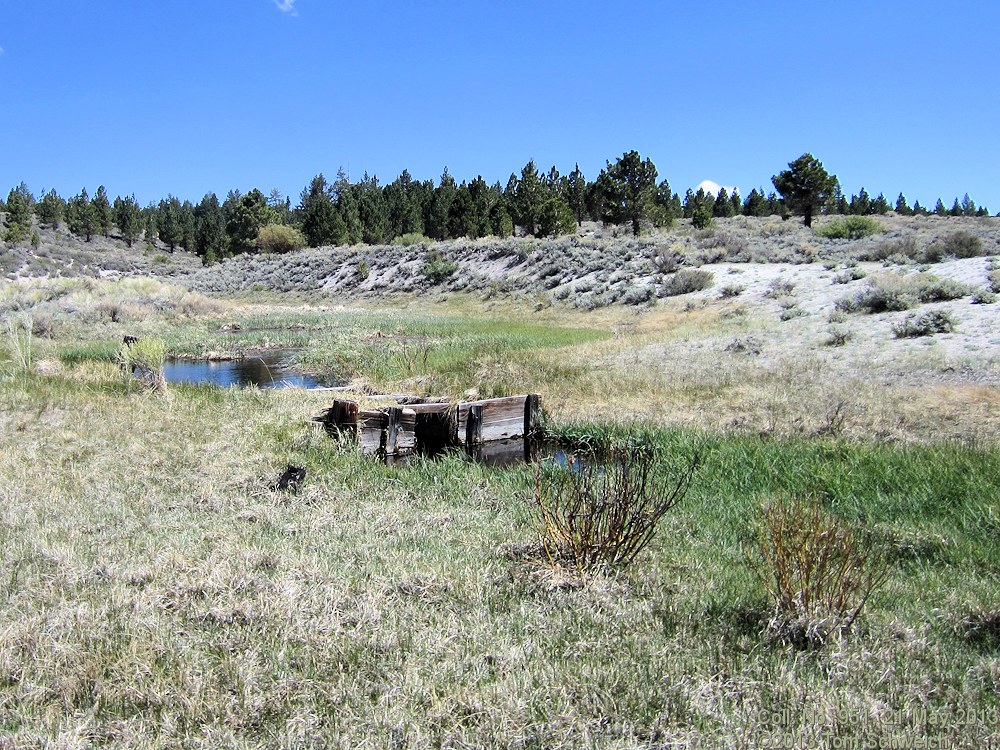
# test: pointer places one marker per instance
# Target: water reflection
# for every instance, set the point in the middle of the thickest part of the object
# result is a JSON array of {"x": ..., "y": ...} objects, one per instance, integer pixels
[{"x": 265, "y": 370}]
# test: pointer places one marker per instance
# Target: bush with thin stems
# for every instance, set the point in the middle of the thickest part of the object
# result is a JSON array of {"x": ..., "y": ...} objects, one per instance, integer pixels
[
  {"x": 144, "y": 360},
  {"x": 602, "y": 512},
  {"x": 819, "y": 571}
]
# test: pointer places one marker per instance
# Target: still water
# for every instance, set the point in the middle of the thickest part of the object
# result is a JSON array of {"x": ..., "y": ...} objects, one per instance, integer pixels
[{"x": 264, "y": 370}]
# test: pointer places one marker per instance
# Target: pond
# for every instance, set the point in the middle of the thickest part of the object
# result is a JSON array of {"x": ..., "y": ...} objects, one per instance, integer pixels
[{"x": 263, "y": 370}]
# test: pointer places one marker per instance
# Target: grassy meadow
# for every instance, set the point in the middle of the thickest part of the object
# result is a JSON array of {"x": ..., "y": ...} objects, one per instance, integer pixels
[{"x": 157, "y": 591}]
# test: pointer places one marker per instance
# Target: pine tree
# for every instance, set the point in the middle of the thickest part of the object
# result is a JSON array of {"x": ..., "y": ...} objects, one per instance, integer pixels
[
  {"x": 723, "y": 207},
  {"x": 80, "y": 215},
  {"x": 20, "y": 206},
  {"x": 321, "y": 224},
  {"x": 555, "y": 218},
  {"x": 665, "y": 213},
  {"x": 576, "y": 194},
  {"x": 956, "y": 208},
  {"x": 902, "y": 208},
  {"x": 444, "y": 194},
  {"x": 168, "y": 221},
  {"x": 880, "y": 206},
  {"x": 373, "y": 212},
  {"x": 209, "y": 229},
  {"x": 528, "y": 195},
  {"x": 939, "y": 208},
  {"x": 806, "y": 187},
  {"x": 51, "y": 209},
  {"x": 629, "y": 190},
  {"x": 102, "y": 211},
  {"x": 128, "y": 218},
  {"x": 968, "y": 206},
  {"x": 461, "y": 217},
  {"x": 755, "y": 204},
  {"x": 245, "y": 221},
  {"x": 861, "y": 204}
]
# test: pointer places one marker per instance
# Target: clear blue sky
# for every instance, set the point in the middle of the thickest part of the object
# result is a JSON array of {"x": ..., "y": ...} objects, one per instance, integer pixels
[{"x": 187, "y": 97}]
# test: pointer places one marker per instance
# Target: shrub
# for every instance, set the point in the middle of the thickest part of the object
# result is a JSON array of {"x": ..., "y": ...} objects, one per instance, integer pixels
[
  {"x": 984, "y": 297},
  {"x": 637, "y": 295},
  {"x": 687, "y": 280},
  {"x": 436, "y": 268},
  {"x": 963, "y": 244},
  {"x": 896, "y": 293},
  {"x": 818, "y": 570},
  {"x": 926, "y": 324},
  {"x": 603, "y": 514},
  {"x": 731, "y": 290},
  {"x": 994, "y": 281},
  {"x": 850, "y": 228},
  {"x": 667, "y": 260},
  {"x": 779, "y": 288},
  {"x": 144, "y": 360},
  {"x": 849, "y": 275},
  {"x": 837, "y": 336},
  {"x": 904, "y": 248},
  {"x": 362, "y": 270},
  {"x": 412, "y": 238},
  {"x": 279, "y": 238},
  {"x": 745, "y": 345},
  {"x": 792, "y": 311}
]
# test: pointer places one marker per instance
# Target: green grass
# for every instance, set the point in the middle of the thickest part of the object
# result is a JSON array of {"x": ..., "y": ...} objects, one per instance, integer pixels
[{"x": 158, "y": 593}]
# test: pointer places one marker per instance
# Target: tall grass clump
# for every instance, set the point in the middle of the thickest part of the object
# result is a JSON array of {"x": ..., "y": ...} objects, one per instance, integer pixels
[
  {"x": 850, "y": 228},
  {"x": 144, "y": 360},
  {"x": 819, "y": 571},
  {"x": 600, "y": 514},
  {"x": 19, "y": 333}
]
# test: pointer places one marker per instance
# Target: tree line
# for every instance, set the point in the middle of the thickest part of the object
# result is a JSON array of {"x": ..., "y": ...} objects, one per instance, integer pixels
[{"x": 341, "y": 212}]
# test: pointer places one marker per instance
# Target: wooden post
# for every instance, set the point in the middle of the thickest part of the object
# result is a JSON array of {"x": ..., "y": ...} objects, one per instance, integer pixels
[
  {"x": 392, "y": 433},
  {"x": 531, "y": 415},
  {"x": 474, "y": 425}
]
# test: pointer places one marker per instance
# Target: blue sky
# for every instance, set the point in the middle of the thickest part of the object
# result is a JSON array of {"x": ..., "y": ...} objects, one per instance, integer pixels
[{"x": 187, "y": 97}]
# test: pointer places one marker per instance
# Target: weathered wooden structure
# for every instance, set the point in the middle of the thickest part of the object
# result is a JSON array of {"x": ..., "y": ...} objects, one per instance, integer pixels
[{"x": 434, "y": 426}]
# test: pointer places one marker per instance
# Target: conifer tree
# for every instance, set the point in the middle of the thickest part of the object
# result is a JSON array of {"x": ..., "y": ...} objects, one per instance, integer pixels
[
  {"x": 806, "y": 187},
  {"x": 51, "y": 209},
  {"x": 629, "y": 190},
  {"x": 321, "y": 223},
  {"x": 209, "y": 229},
  {"x": 128, "y": 218},
  {"x": 902, "y": 208},
  {"x": 576, "y": 194},
  {"x": 528, "y": 194},
  {"x": 102, "y": 211},
  {"x": 168, "y": 221},
  {"x": 80, "y": 215},
  {"x": 723, "y": 207}
]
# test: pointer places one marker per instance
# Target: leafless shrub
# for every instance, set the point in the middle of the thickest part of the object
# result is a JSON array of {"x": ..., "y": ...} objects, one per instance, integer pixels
[
  {"x": 603, "y": 514},
  {"x": 667, "y": 260},
  {"x": 819, "y": 571},
  {"x": 779, "y": 288},
  {"x": 745, "y": 345},
  {"x": 837, "y": 336}
]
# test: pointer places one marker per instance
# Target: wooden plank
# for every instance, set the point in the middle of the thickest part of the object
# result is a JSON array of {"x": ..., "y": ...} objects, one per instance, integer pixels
[
  {"x": 474, "y": 425},
  {"x": 503, "y": 418}
]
